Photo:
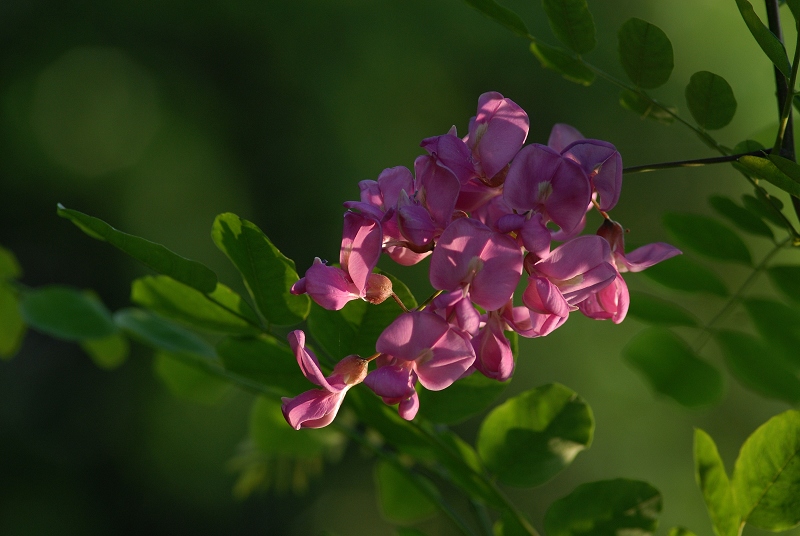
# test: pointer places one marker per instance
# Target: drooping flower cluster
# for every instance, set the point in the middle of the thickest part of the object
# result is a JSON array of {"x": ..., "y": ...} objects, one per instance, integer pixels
[{"x": 486, "y": 210}]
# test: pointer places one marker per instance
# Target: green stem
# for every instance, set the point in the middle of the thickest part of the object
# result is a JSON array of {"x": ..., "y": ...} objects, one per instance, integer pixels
[
  {"x": 704, "y": 336},
  {"x": 786, "y": 111},
  {"x": 693, "y": 163},
  {"x": 421, "y": 485},
  {"x": 509, "y": 506}
]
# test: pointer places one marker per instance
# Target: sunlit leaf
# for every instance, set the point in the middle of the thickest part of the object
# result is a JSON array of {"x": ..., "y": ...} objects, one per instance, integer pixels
[
  {"x": 500, "y": 14},
  {"x": 400, "y": 499},
  {"x": 710, "y": 475},
  {"x": 265, "y": 360},
  {"x": 606, "y": 507},
  {"x": 710, "y": 100},
  {"x": 770, "y": 44},
  {"x": 66, "y": 313},
  {"x": 560, "y": 61},
  {"x": 152, "y": 255},
  {"x": 645, "y": 108},
  {"x": 645, "y": 53},
  {"x": 530, "y": 438},
  {"x": 756, "y": 366},
  {"x": 162, "y": 334},
  {"x": 766, "y": 169},
  {"x": 654, "y": 310},
  {"x": 12, "y": 326},
  {"x": 273, "y": 436},
  {"x": 109, "y": 352},
  {"x": 766, "y": 477},
  {"x": 786, "y": 278},
  {"x": 355, "y": 328},
  {"x": 706, "y": 236},
  {"x": 682, "y": 273},
  {"x": 188, "y": 382},
  {"x": 740, "y": 216},
  {"x": 222, "y": 311},
  {"x": 673, "y": 369},
  {"x": 9, "y": 267},
  {"x": 680, "y": 531},
  {"x": 763, "y": 208},
  {"x": 267, "y": 273},
  {"x": 571, "y": 23},
  {"x": 778, "y": 324}
]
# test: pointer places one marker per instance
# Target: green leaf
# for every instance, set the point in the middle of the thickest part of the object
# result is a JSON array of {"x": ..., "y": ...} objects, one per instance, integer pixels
[
  {"x": 682, "y": 273},
  {"x": 645, "y": 53},
  {"x": 508, "y": 525},
  {"x": 12, "y": 326},
  {"x": 710, "y": 475},
  {"x": 763, "y": 208},
  {"x": 9, "y": 267},
  {"x": 530, "y": 438},
  {"x": 767, "y": 170},
  {"x": 273, "y": 436},
  {"x": 109, "y": 352},
  {"x": 645, "y": 108},
  {"x": 561, "y": 62},
  {"x": 500, "y": 14},
  {"x": 654, "y": 310},
  {"x": 222, "y": 311},
  {"x": 673, "y": 369},
  {"x": 572, "y": 24},
  {"x": 188, "y": 382},
  {"x": 710, "y": 100},
  {"x": 464, "y": 398},
  {"x": 162, "y": 334},
  {"x": 770, "y": 44},
  {"x": 786, "y": 278},
  {"x": 355, "y": 328},
  {"x": 408, "y": 531},
  {"x": 66, "y": 313},
  {"x": 740, "y": 216},
  {"x": 766, "y": 477},
  {"x": 707, "y": 236},
  {"x": 756, "y": 366},
  {"x": 400, "y": 500},
  {"x": 152, "y": 255},
  {"x": 267, "y": 273},
  {"x": 265, "y": 360},
  {"x": 748, "y": 146},
  {"x": 794, "y": 6},
  {"x": 680, "y": 531},
  {"x": 606, "y": 507},
  {"x": 778, "y": 324}
]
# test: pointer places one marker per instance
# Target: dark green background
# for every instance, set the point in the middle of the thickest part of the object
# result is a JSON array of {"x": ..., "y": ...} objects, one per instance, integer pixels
[{"x": 158, "y": 115}]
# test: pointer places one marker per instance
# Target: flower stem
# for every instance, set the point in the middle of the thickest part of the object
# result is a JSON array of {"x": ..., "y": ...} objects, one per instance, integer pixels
[
  {"x": 705, "y": 334},
  {"x": 693, "y": 163},
  {"x": 402, "y": 305}
]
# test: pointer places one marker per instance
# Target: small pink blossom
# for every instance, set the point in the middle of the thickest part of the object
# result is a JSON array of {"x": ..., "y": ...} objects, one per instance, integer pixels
[
  {"x": 318, "y": 407},
  {"x": 496, "y": 133}
]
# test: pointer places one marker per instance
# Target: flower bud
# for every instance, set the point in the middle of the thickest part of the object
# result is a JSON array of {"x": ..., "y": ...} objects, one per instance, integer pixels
[
  {"x": 351, "y": 370},
  {"x": 379, "y": 288}
]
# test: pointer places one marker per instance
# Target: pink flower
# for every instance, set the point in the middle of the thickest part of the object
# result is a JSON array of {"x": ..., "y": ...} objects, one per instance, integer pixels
[
  {"x": 493, "y": 356},
  {"x": 420, "y": 346},
  {"x": 540, "y": 179},
  {"x": 485, "y": 265},
  {"x": 496, "y": 133},
  {"x": 333, "y": 287},
  {"x": 318, "y": 407}
]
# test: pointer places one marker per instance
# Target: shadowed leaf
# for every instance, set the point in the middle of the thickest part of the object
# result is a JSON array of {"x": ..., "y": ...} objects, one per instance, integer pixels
[
  {"x": 560, "y": 61},
  {"x": 571, "y": 23},
  {"x": 740, "y": 216},
  {"x": 645, "y": 109},
  {"x": 707, "y": 236},
  {"x": 710, "y": 100},
  {"x": 645, "y": 53}
]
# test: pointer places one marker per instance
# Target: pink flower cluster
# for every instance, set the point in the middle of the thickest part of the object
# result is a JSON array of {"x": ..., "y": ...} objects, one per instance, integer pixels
[{"x": 486, "y": 210}]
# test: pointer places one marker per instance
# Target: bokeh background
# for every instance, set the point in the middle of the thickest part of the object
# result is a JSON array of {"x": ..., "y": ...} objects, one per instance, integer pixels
[{"x": 158, "y": 115}]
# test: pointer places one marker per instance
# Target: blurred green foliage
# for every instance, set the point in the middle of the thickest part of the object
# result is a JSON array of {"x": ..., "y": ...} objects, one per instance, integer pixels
[{"x": 157, "y": 116}]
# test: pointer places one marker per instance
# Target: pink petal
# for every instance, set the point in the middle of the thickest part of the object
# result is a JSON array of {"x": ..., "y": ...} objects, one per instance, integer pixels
[
  {"x": 391, "y": 381},
  {"x": 446, "y": 361},
  {"x": 474, "y": 194},
  {"x": 362, "y": 240},
  {"x": 329, "y": 286},
  {"x": 603, "y": 164},
  {"x": 498, "y": 132},
  {"x": 493, "y": 356},
  {"x": 312, "y": 409},
  {"x": 562, "y": 135},
  {"x": 437, "y": 189},
  {"x": 646, "y": 256},
  {"x": 452, "y": 153},
  {"x": 391, "y": 182},
  {"x": 308, "y": 362},
  {"x": 408, "y": 408},
  {"x": 411, "y": 334},
  {"x": 573, "y": 258},
  {"x": 543, "y": 297}
]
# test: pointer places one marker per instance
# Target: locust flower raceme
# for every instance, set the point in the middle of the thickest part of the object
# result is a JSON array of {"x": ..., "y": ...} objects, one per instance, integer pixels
[{"x": 486, "y": 210}]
